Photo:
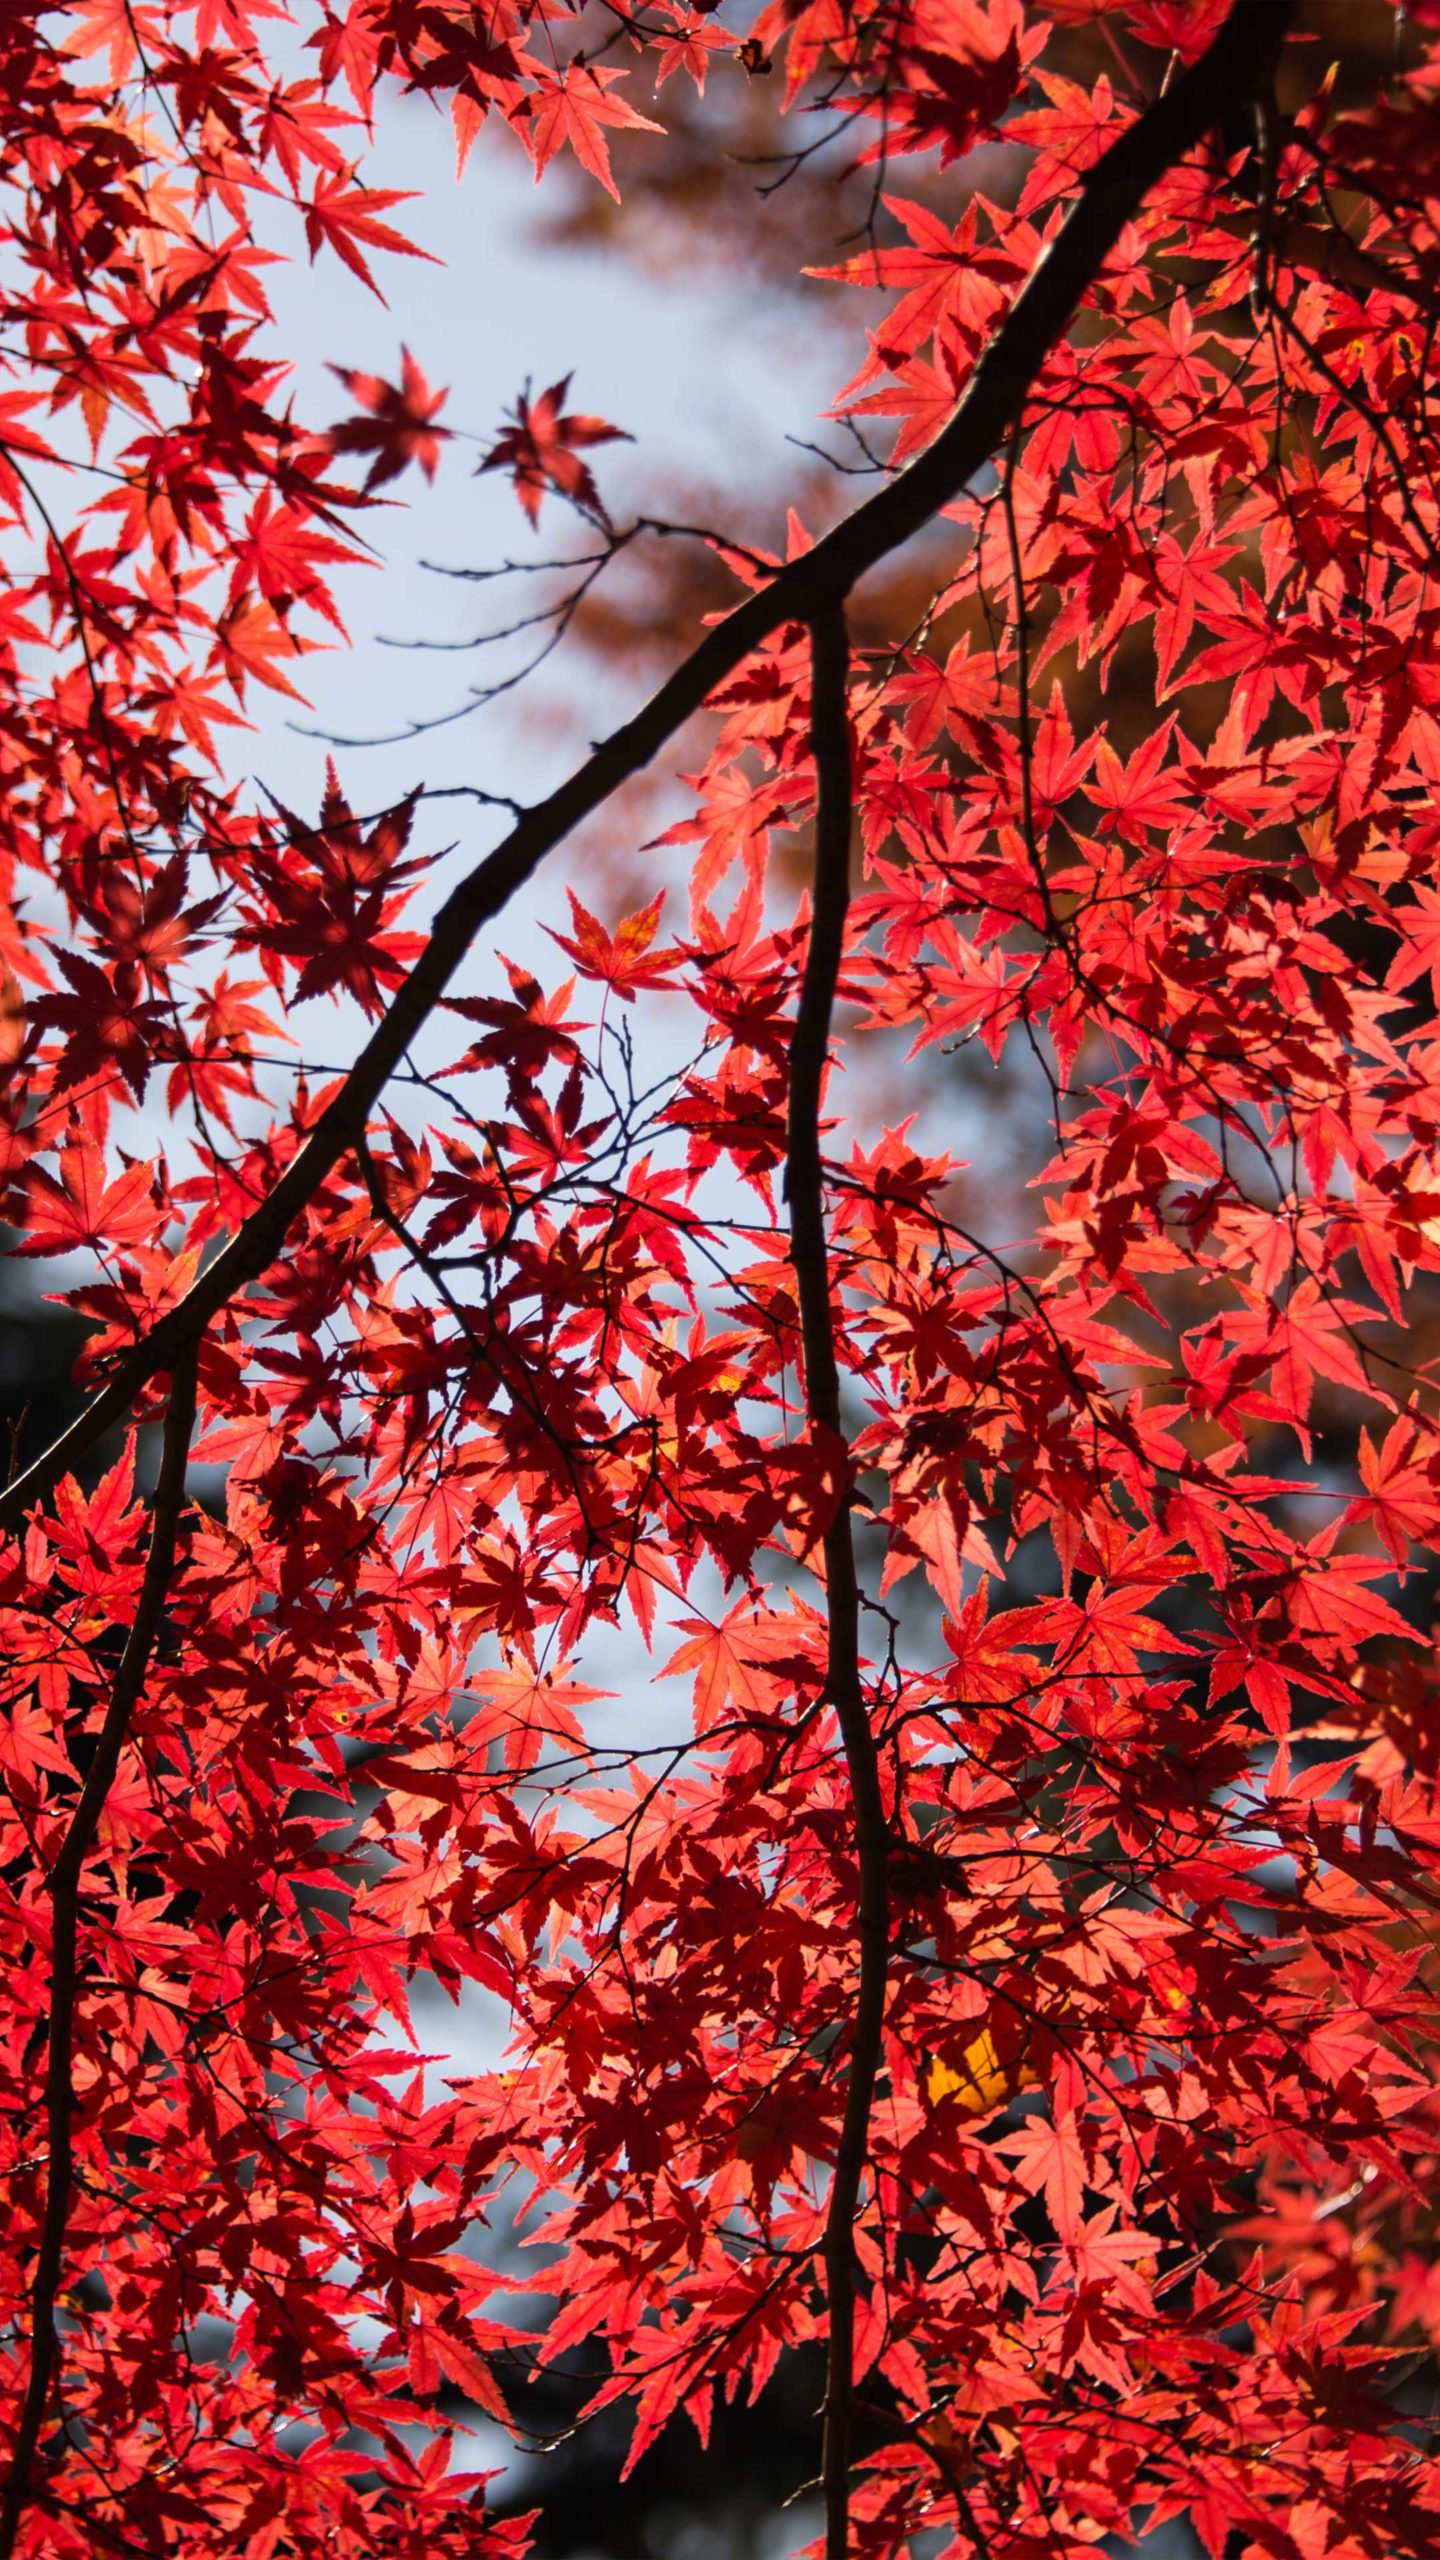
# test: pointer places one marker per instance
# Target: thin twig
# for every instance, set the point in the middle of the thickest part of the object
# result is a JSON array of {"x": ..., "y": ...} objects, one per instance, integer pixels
[{"x": 63, "y": 1885}]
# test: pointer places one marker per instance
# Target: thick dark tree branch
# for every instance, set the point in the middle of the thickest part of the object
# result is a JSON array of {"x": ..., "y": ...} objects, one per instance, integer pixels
[
  {"x": 1239, "y": 63},
  {"x": 810, "y": 1256},
  {"x": 64, "y": 1883}
]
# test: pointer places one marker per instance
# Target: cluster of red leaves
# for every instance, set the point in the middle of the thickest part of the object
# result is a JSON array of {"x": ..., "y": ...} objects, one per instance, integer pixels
[{"x": 1144, "y": 2228}]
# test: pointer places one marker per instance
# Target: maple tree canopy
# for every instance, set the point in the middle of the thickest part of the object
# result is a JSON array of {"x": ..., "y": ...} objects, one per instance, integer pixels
[{"x": 1015, "y": 1981}]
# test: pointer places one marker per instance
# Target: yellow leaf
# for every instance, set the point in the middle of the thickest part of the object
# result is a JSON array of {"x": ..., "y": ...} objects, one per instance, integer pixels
[{"x": 980, "y": 2081}]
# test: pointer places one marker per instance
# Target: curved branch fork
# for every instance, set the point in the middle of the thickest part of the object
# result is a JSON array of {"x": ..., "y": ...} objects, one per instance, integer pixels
[{"x": 1236, "y": 65}]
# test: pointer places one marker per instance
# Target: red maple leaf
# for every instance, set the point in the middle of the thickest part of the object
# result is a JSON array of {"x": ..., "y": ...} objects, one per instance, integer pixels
[
  {"x": 345, "y": 218},
  {"x": 83, "y": 1207},
  {"x": 400, "y": 426},
  {"x": 622, "y": 960},
  {"x": 570, "y": 109},
  {"x": 541, "y": 451}
]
